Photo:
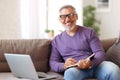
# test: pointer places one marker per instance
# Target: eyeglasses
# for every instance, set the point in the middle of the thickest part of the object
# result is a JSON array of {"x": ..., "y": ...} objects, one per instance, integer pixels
[{"x": 71, "y": 15}]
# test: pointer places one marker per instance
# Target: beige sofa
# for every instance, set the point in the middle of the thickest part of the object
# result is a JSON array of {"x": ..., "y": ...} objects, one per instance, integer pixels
[{"x": 38, "y": 49}]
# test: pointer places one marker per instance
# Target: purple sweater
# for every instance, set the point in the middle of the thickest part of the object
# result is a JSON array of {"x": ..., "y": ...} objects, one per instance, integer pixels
[{"x": 80, "y": 46}]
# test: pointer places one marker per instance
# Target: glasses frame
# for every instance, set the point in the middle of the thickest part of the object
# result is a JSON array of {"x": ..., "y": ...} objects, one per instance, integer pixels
[{"x": 71, "y": 15}]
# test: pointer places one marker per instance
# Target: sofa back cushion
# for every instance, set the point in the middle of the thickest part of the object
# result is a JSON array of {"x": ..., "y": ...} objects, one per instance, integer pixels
[
  {"x": 38, "y": 49},
  {"x": 107, "y": 43},
  {"x": 113, "y": 53}
]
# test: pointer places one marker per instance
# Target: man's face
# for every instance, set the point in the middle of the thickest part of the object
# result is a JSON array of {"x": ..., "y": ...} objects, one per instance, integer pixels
[{"x": 68, "y": 18}]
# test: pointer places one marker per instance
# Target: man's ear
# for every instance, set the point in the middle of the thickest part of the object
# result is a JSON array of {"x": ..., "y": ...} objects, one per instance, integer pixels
[
  {"x": 59, "y": 18},
  {"x": 76, "y": 16}
]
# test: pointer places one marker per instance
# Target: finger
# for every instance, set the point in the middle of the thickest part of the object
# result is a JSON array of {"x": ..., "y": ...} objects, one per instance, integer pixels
[
  {"x": 82, "y": 63},
  {"x": 72, "y": 59},
  {"x": 87, "y": 60},
  {"x": 69, "y": 59}
]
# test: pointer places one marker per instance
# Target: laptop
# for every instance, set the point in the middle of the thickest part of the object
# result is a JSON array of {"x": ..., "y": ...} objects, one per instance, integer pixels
[{"x": 21, "y": 66}]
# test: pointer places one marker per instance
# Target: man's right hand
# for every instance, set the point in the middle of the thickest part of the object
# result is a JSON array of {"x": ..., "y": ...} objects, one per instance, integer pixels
[
  {"x": 84, "y": 64},
  {"x": 68, "y": 62}
]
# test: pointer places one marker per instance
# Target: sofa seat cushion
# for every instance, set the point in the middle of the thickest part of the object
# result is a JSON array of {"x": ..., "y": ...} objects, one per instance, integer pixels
[{"x": 9, "y": 76}]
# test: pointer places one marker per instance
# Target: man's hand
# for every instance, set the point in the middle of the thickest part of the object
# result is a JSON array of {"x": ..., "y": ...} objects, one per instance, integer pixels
[
  {"x": 84, "y": 64},
  {"x": 68, "y": 62}
]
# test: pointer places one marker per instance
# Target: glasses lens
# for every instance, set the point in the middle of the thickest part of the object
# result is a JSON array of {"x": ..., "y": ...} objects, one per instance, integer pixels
[
  {"x": 71, "y": 15},
  {"x": 63, "y": 16}
]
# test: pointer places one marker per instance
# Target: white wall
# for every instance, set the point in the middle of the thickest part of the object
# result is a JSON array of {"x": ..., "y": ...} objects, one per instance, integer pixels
[
  {"x": 110, "y": 21},
  {"x": 9, "y": 19}
]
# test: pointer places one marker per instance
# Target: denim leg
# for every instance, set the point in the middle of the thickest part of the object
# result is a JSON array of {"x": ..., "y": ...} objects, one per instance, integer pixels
[
  {"x": 108, "y": 71},
  {"x": 77, "y": 74}
]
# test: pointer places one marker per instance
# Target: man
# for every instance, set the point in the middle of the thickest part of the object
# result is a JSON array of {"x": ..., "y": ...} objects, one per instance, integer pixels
[{"x": 74, "y": 46}]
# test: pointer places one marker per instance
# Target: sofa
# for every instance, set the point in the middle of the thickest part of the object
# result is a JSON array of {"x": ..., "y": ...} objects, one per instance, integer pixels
[{"x": 38, "y": 49}]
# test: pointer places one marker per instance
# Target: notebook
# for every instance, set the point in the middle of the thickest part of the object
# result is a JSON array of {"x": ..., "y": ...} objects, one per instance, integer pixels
[{"x": 21, "y": 66}]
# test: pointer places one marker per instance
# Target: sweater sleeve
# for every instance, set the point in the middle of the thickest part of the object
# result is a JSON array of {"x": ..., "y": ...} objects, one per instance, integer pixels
[
  {"x": 56, "y": 61},
  {"x": 96, "y": 48}
]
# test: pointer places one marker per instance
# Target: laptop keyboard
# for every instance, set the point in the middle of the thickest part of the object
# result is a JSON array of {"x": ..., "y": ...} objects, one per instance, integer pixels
[
  {"x": 45, "y": 76},
  {"x": 41, "y": 77}
]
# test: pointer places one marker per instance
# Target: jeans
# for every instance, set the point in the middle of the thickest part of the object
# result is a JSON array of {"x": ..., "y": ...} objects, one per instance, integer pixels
[{"x": 105, "y": 71}]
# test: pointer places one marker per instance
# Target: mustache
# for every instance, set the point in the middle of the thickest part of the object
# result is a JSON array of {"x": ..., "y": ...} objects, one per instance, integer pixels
[{"x": 68, "y": 21}]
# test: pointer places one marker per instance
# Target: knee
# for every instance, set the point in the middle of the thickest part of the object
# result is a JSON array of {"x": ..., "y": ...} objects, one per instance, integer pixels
[
  {"x": 108, "y": 70},
  {"x": 109, "y": 67},
  {"x": 72, "y": 73}
]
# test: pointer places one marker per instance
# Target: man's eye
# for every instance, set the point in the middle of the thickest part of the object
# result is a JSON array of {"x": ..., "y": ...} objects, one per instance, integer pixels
[
  {"x": 62, "y": 16},
  {"x": 71, "y": 15}
]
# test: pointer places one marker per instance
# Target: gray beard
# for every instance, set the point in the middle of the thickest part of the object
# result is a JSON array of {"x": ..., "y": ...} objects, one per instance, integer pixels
[{"x": 70, "y": 29}]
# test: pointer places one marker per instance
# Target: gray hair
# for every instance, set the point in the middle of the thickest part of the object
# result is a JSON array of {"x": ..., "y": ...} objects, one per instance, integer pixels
[{"x": 66, "y": 7}]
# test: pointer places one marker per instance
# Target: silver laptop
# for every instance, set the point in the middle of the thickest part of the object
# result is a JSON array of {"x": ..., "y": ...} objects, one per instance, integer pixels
[{"x": 22, "y": 67}]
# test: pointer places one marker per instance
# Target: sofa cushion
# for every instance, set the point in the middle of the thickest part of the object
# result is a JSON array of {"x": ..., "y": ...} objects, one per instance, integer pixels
[
  {"x": 107, "y": 43},
  {"x": 113, "y": 53},
  {"x": 38, "y": 49}
]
